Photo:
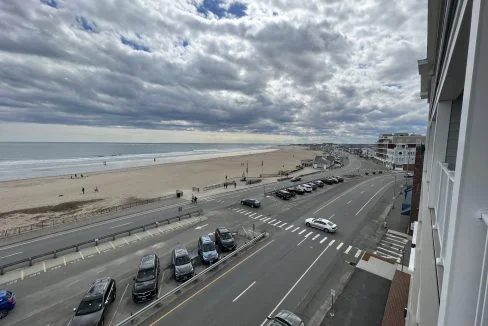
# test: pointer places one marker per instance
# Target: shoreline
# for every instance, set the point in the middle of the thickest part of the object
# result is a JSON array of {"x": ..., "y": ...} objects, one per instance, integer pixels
[{"x": 116, "y": 187}]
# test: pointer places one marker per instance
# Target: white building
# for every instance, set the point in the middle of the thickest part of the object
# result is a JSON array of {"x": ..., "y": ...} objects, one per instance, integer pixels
[
  {"x": 449, "y": 285},
  {"x": 398, "y": 150}
]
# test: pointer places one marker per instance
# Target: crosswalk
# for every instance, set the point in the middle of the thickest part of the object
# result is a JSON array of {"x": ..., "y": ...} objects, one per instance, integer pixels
[
  {"x": 211, "y": 199},
  {"x": 305, "y": 232},
  {"x": 392, "y": 246}
]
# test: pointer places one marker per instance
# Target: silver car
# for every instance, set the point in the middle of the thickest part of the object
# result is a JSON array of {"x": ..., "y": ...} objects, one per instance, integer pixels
[{"x": 321, "y": 224}]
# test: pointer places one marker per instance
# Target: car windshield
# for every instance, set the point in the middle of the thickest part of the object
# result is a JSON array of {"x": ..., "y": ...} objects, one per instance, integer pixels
[
  {"x": 226, "y": 236},
  {"x": 89, "y": 306},
  {"x": 145, "y": 275},
  {"x": 209, "y": 246},
  {"x": 183, "y": 260}
]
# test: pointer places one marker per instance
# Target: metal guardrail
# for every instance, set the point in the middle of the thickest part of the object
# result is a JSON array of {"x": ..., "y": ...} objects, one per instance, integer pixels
[
  {"x": 133, "y": 317},
  {"x": 96, "y": 241},
  {"x": 77, "y": 218}
]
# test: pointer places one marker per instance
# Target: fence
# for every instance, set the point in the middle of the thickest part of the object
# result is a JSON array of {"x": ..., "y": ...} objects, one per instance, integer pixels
[
  {"x": 111, "y": 236},
  {"x": 59, "y": 221},
  {"x": 218, "y": 185},
  {"x": 156, "y": 303}
]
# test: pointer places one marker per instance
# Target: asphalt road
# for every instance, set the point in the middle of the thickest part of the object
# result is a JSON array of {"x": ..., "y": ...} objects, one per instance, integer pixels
[{"x": 270, "y": 274}]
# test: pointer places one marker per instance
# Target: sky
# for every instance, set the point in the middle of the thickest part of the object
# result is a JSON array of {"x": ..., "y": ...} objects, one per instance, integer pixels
[{"x": 275, "y": 71}]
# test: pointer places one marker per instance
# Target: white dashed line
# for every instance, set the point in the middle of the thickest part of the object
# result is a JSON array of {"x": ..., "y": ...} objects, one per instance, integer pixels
[
  {"x": 332, "y": 216},
  {"x": 282, "y": 225},
  {"x": 297, "y": 228},
  {"x": 316, "y": 236},
  {"x": 237, "y": 298},
  {"x": 323, "y": 240},
  {"x": 258, "y": 216},
  {"x": 340, "y": 246},
  {"x": 301, "y": 241},
  {"x": 289, "y": 227},
  {"x": 81, "y": 254},
  {"x": 272, "y": 221},
  {"x": 331, "y": 243},
  {"x": 348, "y": 249},
  {"x": 266, "y": 219},
  {"x": 349, "y": 202},
  {"x": 251, "y": 215},
  {"x": 278, "y": 222},
  {"x": 357, "y": 254},
  {"x": 308, "y": 234},
  {"x": 301, "y": 231}
]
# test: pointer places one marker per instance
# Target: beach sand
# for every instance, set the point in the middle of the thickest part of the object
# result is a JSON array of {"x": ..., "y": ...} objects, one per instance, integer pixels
[{"x": 120, "y": 186}]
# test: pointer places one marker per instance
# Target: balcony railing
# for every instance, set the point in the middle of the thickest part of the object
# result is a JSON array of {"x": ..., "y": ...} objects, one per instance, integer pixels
[{"x": 442, "y": 204}]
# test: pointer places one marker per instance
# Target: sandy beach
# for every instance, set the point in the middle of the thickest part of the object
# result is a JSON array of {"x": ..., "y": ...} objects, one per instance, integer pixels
[{"x": 24, "y": 202}]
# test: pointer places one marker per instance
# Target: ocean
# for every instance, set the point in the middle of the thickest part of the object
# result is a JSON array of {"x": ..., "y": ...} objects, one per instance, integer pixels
[{"x": 23, "y": 160}]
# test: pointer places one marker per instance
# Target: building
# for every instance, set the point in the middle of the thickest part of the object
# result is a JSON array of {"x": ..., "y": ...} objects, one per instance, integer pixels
[
  {"x": 449, "y": 284},
  {"x": 397, "y": 150}
]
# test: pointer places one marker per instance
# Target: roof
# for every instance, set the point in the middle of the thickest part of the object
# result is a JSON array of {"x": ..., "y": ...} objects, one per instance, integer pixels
[
  {"x": 205, "y": 238},
  {"x": 223, "y": 229},
  {"x": 98, "y": 287},
  {"x": 147, "y": 261},
  {"x": 397, "y": 300},
  {"x": 179, "y": 252}
]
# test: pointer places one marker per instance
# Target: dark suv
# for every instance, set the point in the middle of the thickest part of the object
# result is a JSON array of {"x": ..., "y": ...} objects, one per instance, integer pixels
[
  {"x": 283, "y": 194},
  {"x": 146, "y": 282},
  {"x": 95, "y": 303},
  {"x": 181, "y": 263},
  {"x": 251, "y": 202},
  {"x": 206, "y": 250},
  {"x": 224, "y": 239}
]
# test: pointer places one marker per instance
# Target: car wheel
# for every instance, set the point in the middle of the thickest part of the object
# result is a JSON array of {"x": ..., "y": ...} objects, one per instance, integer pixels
[
  {"x": 3, "y": 313},
  {"x": 242, "y": 203},
  {"x": 101, "y": 323},
  {"x": 326, "y": 230},
  {"x": 307, "y": 224}
]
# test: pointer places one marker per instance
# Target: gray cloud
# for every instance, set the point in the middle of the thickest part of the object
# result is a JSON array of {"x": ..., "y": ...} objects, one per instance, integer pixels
[{"x": 334, "y": 70}]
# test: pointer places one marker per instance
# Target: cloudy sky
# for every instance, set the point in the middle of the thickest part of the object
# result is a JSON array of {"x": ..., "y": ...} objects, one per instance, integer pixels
[{"x": 210, "y": 70}]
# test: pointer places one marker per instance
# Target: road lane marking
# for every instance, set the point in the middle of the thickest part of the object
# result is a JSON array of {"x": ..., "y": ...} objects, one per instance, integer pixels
[
  {"x": 117, "y": 226},
  {"x": 316, "y": 236},
  {"x": 125, "y": 239},
  {"x": 272, "y": 221},
  {"x": 349, "y": 202},
  {"x": 301, "y": 231},
  {"x": 301, "y": 241},
  {"x": 297, "y": 228},
  {"x": 348, "y": 249},
  {"x": 211, "y": 283},
  {"x": 296, "y": 283},
  {"x": 357, "y": 254},
  {"x": 275, "y": 224},
  {"x": 258, "y": 216},
  {"x": 289, "y": 227},
  {"x": 137, "y": 236},
  {"x": 282, "y": 225},
  {"x": 362, "y": 192},
  {"x": 201, "y": 227},
  {"x": 250, "y": 286},
  {"x": 397, "y": 253},
  {"x": 395, "y": 237},
  {"x": 118, "y": 305},
  {"x": 340, "y": 246},
  {"x": 44, "y": 266},
  {"x": 359, "y": 211},
  {"x": 266, "y": 219},
  {"x": 64, "y": 260},
  {"x": 331, "y": 243},
  {"x": 323, "y": 240},
  {"x": 389, "y": 243},
  {"x": 98, "y": 250},
  {"x": 247, "y": 213},
  {"x": 22, "y": 275},
  {"x": 308, "y": 234},
  {"x": 251, "y": 215},
  {"x": 89, "y": 226},
  {"x": 112, "y": 243},
  {"x": 238, "y": 210},
  {"x": 332, "y": 216},
  {"x": 15, "y": 253},
  {"x": 81, "y": 254},
  {"x": 150, "y": 234},
  {"x": 340, "y": 196}
]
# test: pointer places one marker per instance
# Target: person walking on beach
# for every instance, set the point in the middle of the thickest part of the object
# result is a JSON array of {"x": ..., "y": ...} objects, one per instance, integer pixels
[
  {"x": 195, "y": 199},
  {"x": 83, "y": 190}
]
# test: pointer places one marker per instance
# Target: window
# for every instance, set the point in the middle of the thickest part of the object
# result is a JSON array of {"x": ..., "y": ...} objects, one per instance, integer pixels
[
  {"x": 145, "y": 275},
  {"x": 182, "y": 260},
  {"x": 225, "y": 236},
  {"x": 89, "y": 306},
  {"x": 209, "y": 246}
]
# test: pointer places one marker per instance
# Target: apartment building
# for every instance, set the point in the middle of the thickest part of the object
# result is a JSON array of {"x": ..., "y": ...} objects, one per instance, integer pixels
[
  {"x": 449, "y": 285},
  {"x": 398, "y": 150}
]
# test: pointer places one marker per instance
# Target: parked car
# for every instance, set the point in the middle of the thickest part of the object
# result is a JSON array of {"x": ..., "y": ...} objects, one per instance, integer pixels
[
  {"x": 297, "y": 190},
  {"x": 146, "y": 282},
  {"x": 207, "y": 250},
  {"x": 181, "y": 264},
  {"x": 224, "y": 238},
  {"x": 366, "y": 173},
  {"x": 312, "y": 185},
  {"x": 283, "y": 194},
  {"x": 251, "y": 202},
  {"x": 306, "y": 187},
  {"x": 380, "y": 172},
  {"x": 327, "y": 180},
  {"x": 291, "y": 191},
  {"x": 339, "y": 178},
  {"x": 284, "y": 318},
  {"x": 319, "y": 183},
  {"x": 94, "y": 305},
  {"x": 321, "y": 224},
  {"x": 408, "y": 175},
  {"x": 296, "y": 179},
  {"x": 7, "y": 302},
  {"x": 374, "y": 172},
  {"x": 334, "y": 180}
]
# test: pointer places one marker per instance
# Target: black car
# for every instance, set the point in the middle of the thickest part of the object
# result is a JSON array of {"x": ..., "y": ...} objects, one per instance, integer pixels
[
  {"x": 292, "y": 191},
  {"x": 296, "y": 179},
  {"x": 146, "y": 282},
  {"x": 181, "y": 264},
  {"x": 380, "y": 172},
  {"x": 283, "y": 194},
  {"x": 296, "y": 190},
  {"x": 251, "y": 202},
  {"x": 319, "y": 183},
  {"x": 327, "y": 180},
  {"x": 339, "y": 178},
  {"x": 374, "y": 172},
  {"x": 224, "y": 239},
  {"x": 95, "y": 303},
  {"x": 366, "y": 173}
]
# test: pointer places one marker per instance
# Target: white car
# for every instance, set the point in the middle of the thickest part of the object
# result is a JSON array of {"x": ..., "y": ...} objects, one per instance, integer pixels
[
  {"x": 306, "y": 188},
  {"x": 321, "y": 224}
]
